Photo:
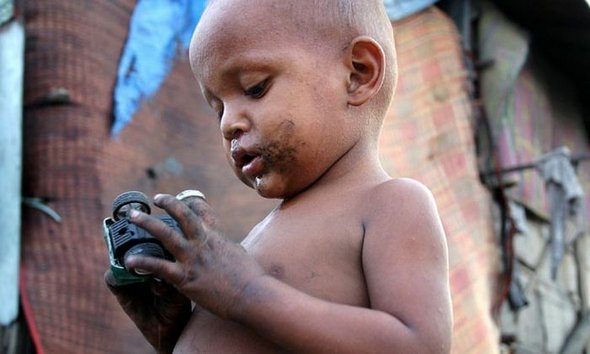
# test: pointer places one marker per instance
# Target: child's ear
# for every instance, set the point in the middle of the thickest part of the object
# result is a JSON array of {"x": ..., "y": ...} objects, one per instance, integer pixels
[{"x": 366, "y": 62}]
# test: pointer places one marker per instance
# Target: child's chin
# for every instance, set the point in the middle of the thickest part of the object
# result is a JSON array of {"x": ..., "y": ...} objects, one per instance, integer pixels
[
  {"x": 267, "y": 193},
  {"x": 266, "y": 189}
]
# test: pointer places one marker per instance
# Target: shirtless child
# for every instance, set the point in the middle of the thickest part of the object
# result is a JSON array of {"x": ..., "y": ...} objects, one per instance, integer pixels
[{"x": 351, "y": 260}]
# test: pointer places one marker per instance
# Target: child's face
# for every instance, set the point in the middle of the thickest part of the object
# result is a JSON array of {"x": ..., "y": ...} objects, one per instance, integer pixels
[{"x": 282, "y": 106}]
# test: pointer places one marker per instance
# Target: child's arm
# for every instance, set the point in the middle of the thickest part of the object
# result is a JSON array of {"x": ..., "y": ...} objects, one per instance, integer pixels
[{"x": 404, "y": 261}]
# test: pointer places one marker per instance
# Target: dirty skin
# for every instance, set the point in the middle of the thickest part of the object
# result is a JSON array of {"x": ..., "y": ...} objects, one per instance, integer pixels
[{"x": 280, "y": 153}]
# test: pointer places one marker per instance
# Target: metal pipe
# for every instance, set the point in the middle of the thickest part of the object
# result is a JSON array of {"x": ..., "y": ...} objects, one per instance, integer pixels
[{"x": 575, "y": 159}]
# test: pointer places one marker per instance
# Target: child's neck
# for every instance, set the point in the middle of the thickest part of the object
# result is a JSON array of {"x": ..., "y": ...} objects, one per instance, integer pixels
[{"x": 349, "y": 173}]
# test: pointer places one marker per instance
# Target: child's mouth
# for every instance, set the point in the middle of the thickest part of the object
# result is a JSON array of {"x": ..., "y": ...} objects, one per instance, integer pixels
[
  {"x": 251, "y": 164},
  {"x": 253, "y": 167}
]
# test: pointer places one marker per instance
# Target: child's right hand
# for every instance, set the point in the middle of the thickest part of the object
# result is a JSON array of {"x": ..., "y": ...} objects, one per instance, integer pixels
[
  {"x": 159, "y": 311},
  {"x": 209, "y": 269}
]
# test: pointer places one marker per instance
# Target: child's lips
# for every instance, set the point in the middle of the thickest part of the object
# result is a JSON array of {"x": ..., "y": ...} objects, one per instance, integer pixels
[
  {"x": 254, "y": 168},
  {"x": 251, "y": 164}
]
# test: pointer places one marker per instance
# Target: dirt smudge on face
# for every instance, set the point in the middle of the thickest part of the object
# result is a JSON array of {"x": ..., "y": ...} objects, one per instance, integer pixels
[{"x": 280, "y": 153}]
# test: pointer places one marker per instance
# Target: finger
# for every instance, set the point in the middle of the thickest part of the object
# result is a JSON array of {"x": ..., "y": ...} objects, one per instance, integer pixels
[
  {"x": 161, "y": 288},
  {"x": 160, "y": 268},
  {"x": 196, "y": 201},
  {"x": 155, "y": 286},
  {"x": 172, "y": 240},
  {"x": 121, "y": 291},
  {"x": 110, "y": 280},
  {"x": 190, "y": 223}
]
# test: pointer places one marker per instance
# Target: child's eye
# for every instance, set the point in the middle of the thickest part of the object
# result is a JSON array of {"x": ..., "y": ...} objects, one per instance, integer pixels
[
  {"x": 257, "y": 91},
  {"x": 220, "y": 114}
]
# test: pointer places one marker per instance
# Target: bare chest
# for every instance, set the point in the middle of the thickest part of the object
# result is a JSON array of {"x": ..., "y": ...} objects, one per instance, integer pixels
[{"x": 318, "y": 255}]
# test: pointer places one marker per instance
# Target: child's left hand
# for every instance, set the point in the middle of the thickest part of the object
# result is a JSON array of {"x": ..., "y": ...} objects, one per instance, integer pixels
[
  {"x": 158, "y": 310},
  {"x": 209, "y": 269}
]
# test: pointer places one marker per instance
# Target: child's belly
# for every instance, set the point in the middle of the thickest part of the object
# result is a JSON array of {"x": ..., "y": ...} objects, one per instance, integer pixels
[{"x": 207, "y": 333}]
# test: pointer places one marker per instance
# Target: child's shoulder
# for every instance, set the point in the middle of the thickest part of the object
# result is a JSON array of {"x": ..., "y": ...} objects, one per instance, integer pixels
[
  {"x": 401, "y": 193},
  {"x": 400, "y": 205}
]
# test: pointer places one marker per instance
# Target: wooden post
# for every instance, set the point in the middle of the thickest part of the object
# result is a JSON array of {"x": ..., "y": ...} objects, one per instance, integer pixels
[{"x": 11, "y": 107}]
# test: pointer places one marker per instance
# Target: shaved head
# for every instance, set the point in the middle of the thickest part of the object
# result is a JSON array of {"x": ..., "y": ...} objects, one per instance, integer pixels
[
  {"x": 325, "y": 25},
  {"x": 337, "y": 22}
]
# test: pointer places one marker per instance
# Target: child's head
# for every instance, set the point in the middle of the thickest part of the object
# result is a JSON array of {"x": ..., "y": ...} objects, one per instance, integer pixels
[{"x": 298, "y": 83}]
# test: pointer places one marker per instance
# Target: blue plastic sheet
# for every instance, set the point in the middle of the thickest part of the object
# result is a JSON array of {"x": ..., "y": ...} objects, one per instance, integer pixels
[
  {"x": 398, "y": 9},
  {"x": 159, "y": 31}
]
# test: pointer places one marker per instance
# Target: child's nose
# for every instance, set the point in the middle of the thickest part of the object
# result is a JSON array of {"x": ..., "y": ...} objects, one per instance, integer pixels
[{"x": 234, "y": 122}]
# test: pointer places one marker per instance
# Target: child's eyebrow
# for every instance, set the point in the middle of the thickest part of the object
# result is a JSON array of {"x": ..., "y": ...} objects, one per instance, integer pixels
[
  {"x": 229, "y": 73},
  {"x": 250, "y": 63},
  {"x": 236, "y": 71}
]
